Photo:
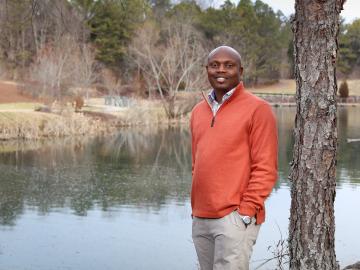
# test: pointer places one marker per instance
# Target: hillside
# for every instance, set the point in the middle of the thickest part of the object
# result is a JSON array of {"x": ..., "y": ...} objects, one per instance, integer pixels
[{"x": 9, "y": 93}]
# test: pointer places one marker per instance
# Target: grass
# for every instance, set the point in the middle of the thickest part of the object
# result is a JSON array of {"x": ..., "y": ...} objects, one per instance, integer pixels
[
  {"x": 18, "y": 106},
  {"x": 36, "y": 125},
  {"x": 143, "y": 112},
  {"x": 15, "y": 118},
  {"x": 282, "y": 87},
  {"x": 17, "y": 121}
]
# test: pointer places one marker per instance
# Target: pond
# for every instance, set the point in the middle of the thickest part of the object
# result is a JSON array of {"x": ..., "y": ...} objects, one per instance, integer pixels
[{"x": 122, "y": 202}]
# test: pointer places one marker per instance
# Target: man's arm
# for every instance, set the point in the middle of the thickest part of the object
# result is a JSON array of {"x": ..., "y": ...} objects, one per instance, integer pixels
[{"x": 263, "y": 157}]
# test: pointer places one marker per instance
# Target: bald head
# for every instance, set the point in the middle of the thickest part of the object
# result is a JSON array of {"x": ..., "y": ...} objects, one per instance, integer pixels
[
  {"x": 228, "y": 50},
  {"x": 224, "y": 69}
]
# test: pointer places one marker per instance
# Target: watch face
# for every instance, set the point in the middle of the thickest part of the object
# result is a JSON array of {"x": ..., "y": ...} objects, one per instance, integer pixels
[{"x": 246, "y": 220}]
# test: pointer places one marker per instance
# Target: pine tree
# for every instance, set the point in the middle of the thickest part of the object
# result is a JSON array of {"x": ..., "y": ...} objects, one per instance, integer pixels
[{"x": 313, "y": 187}]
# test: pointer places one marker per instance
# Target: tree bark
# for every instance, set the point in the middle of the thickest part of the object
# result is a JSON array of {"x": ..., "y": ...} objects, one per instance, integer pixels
[{"x": 312, "y": 223}]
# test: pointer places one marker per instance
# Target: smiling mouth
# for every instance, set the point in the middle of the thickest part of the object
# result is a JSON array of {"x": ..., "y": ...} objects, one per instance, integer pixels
[{"x": 220, "y": 79}]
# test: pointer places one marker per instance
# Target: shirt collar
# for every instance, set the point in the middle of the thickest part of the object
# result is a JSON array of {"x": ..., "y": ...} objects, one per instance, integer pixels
[{"x": 228, "y": 94}]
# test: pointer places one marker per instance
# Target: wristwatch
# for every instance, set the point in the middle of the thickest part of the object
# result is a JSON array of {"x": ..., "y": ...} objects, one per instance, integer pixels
[{"x": 246, "y": 220}]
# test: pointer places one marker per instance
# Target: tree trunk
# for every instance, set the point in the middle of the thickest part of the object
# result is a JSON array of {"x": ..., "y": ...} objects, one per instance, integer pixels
[{"x": 312, "y": 223}]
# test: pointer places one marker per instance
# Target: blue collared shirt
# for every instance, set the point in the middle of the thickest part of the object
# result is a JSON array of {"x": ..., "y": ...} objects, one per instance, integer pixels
[{"x": 215, "y": 106}]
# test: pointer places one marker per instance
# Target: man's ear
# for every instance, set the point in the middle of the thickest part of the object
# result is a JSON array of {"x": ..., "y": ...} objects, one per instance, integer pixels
[{"x": 241, "y": 71}]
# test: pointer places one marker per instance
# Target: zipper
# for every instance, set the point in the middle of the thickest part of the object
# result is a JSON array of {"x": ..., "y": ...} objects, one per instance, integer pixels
[
  {"x": 212, "y": 121},
  {"x": 207, "y": 101}
]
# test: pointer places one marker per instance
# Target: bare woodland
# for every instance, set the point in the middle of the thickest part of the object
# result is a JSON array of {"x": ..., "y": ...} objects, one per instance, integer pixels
[{"x": 172, "y": 66}]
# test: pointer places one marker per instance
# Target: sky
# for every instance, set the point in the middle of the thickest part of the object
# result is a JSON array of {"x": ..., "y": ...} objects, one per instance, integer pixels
[{"x": 350, "y": 12}]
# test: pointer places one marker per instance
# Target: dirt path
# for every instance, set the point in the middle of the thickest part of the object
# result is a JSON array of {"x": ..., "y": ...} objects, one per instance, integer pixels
[{"x": 9, "y": 93}]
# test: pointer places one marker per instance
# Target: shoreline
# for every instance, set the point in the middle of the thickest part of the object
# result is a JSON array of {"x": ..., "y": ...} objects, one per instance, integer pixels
[
  {"x": 293, "y": 104},
  {"x": 27, "y": 124},
  {"x": 290, "y": 99}
]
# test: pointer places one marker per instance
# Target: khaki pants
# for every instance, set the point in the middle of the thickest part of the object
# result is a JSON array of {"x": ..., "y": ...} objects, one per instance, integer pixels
[{"x": 224, "y": 243}]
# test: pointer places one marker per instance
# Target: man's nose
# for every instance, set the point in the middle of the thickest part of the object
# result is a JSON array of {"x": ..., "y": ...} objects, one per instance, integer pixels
[{"x": 221, "y": 68}]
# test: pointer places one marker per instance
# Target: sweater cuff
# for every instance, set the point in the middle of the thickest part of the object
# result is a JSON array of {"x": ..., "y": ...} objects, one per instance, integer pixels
[{"x": 247, "y": 210}]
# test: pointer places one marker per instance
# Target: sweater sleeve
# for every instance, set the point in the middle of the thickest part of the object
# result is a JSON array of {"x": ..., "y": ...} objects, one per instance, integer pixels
[
  {"x": 193, "y": 148},
  {"x": 263, "y": 144}
]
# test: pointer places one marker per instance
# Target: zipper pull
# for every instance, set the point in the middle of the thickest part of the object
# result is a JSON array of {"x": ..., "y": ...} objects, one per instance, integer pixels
[{"x": 213, "y": 121}]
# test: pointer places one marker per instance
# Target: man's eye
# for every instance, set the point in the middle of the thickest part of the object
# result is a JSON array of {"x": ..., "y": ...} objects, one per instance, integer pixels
[
  {"x": 229, "y": 65},
  {"x": 214, "y": 65}
]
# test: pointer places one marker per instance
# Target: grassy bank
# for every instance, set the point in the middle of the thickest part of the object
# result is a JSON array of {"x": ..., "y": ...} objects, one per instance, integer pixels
[
  {"x": 20, "y": 121},
  {"x": 36, "y": 125},
  {"x": 19, "y": 106},
  {"x": 143, "y": 113}
]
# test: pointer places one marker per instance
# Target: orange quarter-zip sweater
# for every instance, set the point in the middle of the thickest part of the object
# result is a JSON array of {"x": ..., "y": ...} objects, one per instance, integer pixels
[{"x": 234, "y": 156}]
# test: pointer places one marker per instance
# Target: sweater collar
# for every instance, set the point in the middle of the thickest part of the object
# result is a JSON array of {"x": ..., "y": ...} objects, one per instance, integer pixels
[
  {"x": 234, "y": 92},
  {"x": 238, "y": 90}
]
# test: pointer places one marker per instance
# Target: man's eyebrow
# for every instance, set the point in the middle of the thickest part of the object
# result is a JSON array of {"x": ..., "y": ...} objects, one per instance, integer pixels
[{"x": 226, "y": 60}]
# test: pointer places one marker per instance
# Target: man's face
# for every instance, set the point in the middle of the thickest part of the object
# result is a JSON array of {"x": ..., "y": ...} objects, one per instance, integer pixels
[{"x": 224, "y": 70}]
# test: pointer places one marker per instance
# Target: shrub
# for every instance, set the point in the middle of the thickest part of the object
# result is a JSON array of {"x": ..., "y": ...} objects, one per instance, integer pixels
[
  {"x": 79, "y": 103},
  {"x": 344, "y": 89}
]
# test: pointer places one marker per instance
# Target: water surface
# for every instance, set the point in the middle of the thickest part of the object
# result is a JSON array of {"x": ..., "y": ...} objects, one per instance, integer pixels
[{"x": 122, "y": 202}]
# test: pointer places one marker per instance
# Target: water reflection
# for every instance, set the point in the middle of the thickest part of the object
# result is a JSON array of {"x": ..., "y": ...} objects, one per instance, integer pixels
[
  {"x": 348, "y": 157},
  {"x": 349, "y": 153},
  {"x": 144, "y": 167}
]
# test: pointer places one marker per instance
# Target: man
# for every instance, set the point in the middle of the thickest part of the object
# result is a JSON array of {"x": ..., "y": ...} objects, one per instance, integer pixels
[{"x": 234, "y": 165}]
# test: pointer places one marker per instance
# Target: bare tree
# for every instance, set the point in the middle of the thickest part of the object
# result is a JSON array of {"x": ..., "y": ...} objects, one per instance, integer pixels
[
  {"x": 52, "y": 66},
  {"x": 64, "y": 64},
  {"x": 312, "y": 224},
  {"x": 171, "y": 61},
  {"x": 85, "y": 67}
]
